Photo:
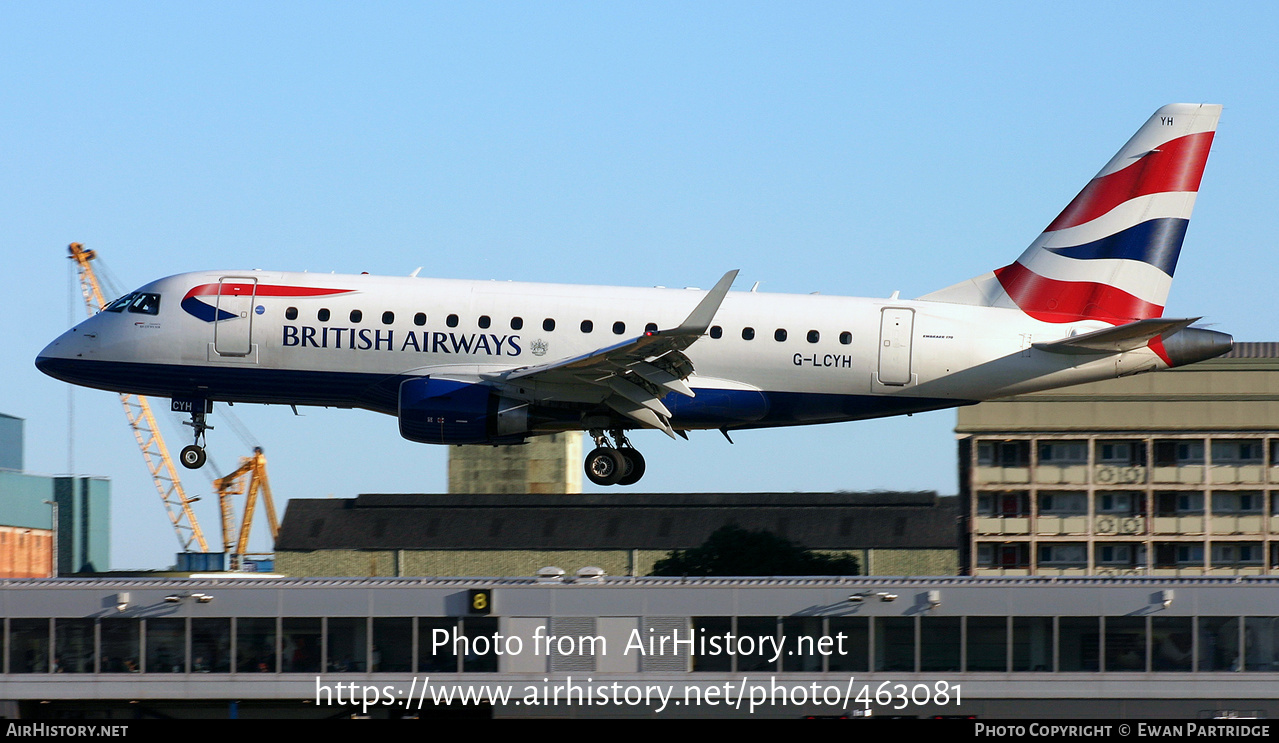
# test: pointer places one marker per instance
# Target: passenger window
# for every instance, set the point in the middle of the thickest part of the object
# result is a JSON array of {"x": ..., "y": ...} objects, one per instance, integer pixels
[
  {"x": 813, "y": 336},
  {"x": 650, "y": 328},
  {"x": 846, "y": 337},
  {"x": 356, "y": 316},
  {"x": 146, "y": 304},
  {"x": 717, "y": 332},
  {"x": 748, "y": 334},
  {"x": 485, "y": 321},
  {"x": 322, "y": 315},
  {"x": 779, "y": 335},
  {"x": 619, "y": 328},
  {"x": 517, "y": 323},
  {"x": 388, "y": 318},
  {"x": 451, "y": 321},
  {"x": 419, "y": 318},
  {"x": 548, "y": 325},
  {"x": 291, "y": 313},
  {"x": 587, "y": 326}
]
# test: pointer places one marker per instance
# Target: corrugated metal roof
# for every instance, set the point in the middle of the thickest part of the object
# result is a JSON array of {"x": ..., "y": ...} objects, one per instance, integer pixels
[{"x": 1254, "y": 350}]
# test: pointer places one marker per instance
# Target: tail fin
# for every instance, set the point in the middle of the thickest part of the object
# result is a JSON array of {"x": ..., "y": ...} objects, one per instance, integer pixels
[{"x": 1110, "y": 255}]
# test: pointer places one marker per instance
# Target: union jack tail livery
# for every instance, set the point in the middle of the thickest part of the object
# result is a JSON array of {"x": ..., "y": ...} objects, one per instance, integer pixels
[{"x": 1111, "y": 253}]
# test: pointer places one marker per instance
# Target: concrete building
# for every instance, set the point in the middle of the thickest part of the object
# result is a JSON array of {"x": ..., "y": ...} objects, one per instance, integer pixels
[
  {"x": 545, "y": 464},
  {"x": 623, "y": 534},
  {"x": 1001, "y": 648},
  {"x": 26, "y": 516},
  {"x": 1173, "y": 473}
]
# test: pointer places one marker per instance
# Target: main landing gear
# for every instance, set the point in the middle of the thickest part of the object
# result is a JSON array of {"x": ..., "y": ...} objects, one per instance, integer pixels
[
  {"x": 193, "y": 456},
  {"x": 616, "y": 463}
]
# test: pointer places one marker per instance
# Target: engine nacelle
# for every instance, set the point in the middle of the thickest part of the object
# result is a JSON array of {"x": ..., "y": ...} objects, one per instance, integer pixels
[{"x": 441, "y": 411}]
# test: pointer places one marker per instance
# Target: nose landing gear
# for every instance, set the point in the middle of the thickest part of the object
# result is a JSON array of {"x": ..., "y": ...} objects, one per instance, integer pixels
[
  {"x": 616, "y": 463},
  {"x": 193, "y": 457}
]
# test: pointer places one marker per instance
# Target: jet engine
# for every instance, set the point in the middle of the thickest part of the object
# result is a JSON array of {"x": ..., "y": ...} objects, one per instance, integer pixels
[{"x": 442, "y": 411}]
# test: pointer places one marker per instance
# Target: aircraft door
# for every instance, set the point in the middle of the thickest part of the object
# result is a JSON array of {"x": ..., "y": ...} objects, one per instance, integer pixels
[
  {"x": 896, "y": 328},
  {"x": 233, "y": 336}
]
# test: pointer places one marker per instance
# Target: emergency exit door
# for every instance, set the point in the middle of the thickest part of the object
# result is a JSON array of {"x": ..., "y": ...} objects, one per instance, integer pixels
[
  {"x": 896, "y": 329},
  {"x": 233, "y": 330}
]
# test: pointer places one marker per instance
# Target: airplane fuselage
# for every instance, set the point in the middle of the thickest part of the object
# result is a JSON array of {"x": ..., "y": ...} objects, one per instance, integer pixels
[
  {"x": 768, "y": 359},
  {"x": 486, "y": 362}
]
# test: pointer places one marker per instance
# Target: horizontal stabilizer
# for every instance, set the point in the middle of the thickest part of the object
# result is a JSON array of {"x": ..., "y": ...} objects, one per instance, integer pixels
[{"x": 1117, "y": 339}]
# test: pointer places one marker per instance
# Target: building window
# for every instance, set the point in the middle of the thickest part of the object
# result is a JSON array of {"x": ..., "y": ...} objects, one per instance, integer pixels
[
  {"x": 1121, "y": 453},
  {"x": 1125, "y": 644},
  {"x": 1063, "y": 452},
  {"x": 1063, "y": 555},
  {"x": 1114, "y": 554},
  {"x": 1231, "y": 451},
  {"x": 167, "y": 645},
  {"x": 707, "y": 662},
  {"x": 300, "y": 637},
  {"x": 1179, "y": 503},
  {"x": 1120, "y": 502},
  {"x": 1225, "y": 502},
  {"x": 1174, "y": 453},
  {"x": 894, "y": 644},
  {"x": 987, "y": 644},
  {"x": 1079, "y": 643},
  {"x": 1236, "y": 553},
  {"x": 1063, "y": 503}
]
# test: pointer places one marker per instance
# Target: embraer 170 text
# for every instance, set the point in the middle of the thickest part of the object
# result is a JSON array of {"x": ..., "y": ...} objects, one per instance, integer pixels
[{"x": 482, "y": 362}]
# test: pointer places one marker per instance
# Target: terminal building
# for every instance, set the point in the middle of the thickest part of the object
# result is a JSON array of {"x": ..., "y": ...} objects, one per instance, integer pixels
[
  {"x": 1172, "y": 474},
  {"x": 1000, "y": 648}
]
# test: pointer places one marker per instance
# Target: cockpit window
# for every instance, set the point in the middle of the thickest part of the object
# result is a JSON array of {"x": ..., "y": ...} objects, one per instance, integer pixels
[
  {"x": 145, "y": 304},
  {"x": 121, "y": 303}
]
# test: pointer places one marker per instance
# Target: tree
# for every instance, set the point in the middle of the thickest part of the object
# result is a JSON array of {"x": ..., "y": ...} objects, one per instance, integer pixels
[{"x": 732, "y": 550}]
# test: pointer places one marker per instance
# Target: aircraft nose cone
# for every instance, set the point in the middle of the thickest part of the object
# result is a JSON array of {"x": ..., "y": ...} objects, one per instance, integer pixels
[{"x": 58, "y": 357}]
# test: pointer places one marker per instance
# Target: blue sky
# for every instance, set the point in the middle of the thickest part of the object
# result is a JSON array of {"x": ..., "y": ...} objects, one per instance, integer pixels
[{"x": 845, "y": 148}]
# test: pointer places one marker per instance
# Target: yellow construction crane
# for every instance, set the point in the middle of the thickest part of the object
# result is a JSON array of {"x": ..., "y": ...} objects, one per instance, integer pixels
[
  {"x": 145, "y": 430},
  {"x": 250, "y": 479}
]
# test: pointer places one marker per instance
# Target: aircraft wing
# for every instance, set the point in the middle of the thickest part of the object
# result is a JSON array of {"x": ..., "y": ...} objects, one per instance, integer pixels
[{"x": 631, "y": 376}]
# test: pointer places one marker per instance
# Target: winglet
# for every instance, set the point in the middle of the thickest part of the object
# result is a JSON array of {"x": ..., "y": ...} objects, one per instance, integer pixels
[{"x": 700, "y": 318}]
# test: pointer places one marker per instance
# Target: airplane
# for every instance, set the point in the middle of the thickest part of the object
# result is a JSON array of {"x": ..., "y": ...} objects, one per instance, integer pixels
[{"x": 488, "y": 363}]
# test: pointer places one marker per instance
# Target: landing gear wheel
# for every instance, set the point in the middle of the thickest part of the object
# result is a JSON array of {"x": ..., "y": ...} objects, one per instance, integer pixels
[
  {"x": 634, "y": 469},
  {"x": 605, "y": 466},
  {"x": 193, "y": 457}
]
